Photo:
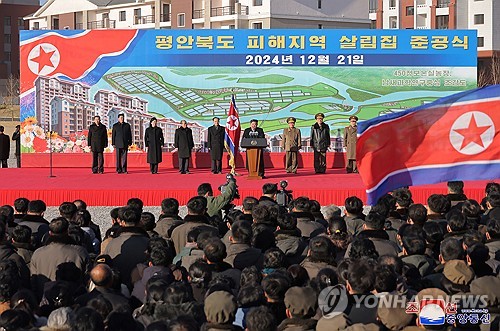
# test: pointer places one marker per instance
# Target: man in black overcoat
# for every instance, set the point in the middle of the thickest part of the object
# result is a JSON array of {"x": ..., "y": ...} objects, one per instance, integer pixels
[
  {"x": 255, "y": 132},
  {"x": 216, "y": 135},
  {"x": 184, "y": 143},
  {"x": 153, "y": 140},
  {"x": 4, "y": 147},
  {"x": 16, "y": 136},
  {"x": 97, "y": 141},
  {"x": 121, "y": 139}
]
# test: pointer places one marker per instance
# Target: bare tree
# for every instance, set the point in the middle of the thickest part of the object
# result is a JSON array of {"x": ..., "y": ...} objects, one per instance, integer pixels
[
  {"x": 10, "y": 97},
  {"x": 490, "y": 74}
]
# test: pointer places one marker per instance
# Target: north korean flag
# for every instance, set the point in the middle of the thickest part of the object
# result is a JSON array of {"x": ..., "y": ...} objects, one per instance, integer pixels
[
  {"x": 453, "y": 138},
  {"x": 53, "y": 54}
]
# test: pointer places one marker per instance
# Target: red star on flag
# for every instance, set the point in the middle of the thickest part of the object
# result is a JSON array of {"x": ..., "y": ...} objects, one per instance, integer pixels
[
  {"x": 43, "y": 59},
  {"x": 472, "y": 134}
]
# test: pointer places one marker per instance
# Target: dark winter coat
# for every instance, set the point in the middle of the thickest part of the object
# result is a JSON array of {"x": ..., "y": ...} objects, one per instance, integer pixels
[
  {"x": 216, "y": 141},
  {"x": 153, "y": 140},
  {"x": 307, "y": 225},
  {"x": 241, "y": 256},
  {"x": 184, "y": 142},
  {"x": 165, "y": 224},
  {"x": 116, "y": 299},
  {"x": 127, "y": 250},
  {"x": 121, "y": 136},
  {"x": 298, "y": 324},
  {"x": 313, "y": 267},
  {"x": 44, "y": 262},
  {"x": 4, "y": 146},
  {"x": 354, "y": 224},
  {"x": 8, "y": 252},
  {"x": 25, "y": 251},
  {"x": 320, "y": 137},
  {"x": 39, "y": 228},
  {"x": 98, "y": 138},
  {"x": 16, "y": 136},
  {"x": 292, "y": 244},
  {"x": 380, "y": 239},
  {"x": 423, "y": 263}
]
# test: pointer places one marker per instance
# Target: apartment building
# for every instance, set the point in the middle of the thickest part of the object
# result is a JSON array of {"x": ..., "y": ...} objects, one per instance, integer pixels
[
  {"x": 108, "y": 100},
  {"x": 200, "y": 14},
  {"x": 70, "y": 115},
  {"x": 11, "y": 21},
  {"x": 443, "y": 14},
  {"x": 48, "y": 88}
]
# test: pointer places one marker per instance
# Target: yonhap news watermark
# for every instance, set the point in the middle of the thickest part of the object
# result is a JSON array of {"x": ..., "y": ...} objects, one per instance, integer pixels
[{"x": 463, "y": 309}]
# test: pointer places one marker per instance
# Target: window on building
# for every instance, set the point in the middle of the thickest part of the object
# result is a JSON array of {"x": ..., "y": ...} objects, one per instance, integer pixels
[
  {"x": 320, "y": 26},
  {"x": 393, "y": 22},
  {"x": 123, "y": 16},
  {"x": 20, "y": 21},
  {"x": 373, "y": 6},
  {"x": 7, "y": 38},
  {"x": 232, "y": 26},
  {"x": 443, "y": 3},
  {"x": 480, "y": 41},
  {"x": 6, "y": 21},
  {"x": 181, "y": 20},
  {"x": 479, "y": 19},
  {"x": 137, "y": 12},
  {"x": 36, "y": 26},
  {"x": 319, "y": 4},
  {"x": 257, "y": 25},
  {"x": 392, "y": 3},
  {"x": 55, "y": 23},
  {"x": 8, "y": 56},
  {"x": 257, "y": 2},
  {"x": 410, "y": 11},
  {"x": 442, "y": 22}
]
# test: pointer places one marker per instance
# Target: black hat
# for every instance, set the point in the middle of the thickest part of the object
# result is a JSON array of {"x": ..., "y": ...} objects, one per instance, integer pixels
[
  {"x": 291, "y": 119},
  {"x": 319, "y": 115}
]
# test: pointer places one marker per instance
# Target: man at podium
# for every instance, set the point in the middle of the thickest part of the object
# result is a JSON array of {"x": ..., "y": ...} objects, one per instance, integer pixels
[{"x": 255, "y": 132}]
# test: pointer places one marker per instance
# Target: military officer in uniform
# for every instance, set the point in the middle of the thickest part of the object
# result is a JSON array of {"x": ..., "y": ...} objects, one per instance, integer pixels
[{"x": 291, "y": 143}]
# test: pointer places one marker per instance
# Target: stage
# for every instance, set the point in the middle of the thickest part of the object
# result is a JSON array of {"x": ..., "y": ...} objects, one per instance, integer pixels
[{"x": 112, "y": 189}]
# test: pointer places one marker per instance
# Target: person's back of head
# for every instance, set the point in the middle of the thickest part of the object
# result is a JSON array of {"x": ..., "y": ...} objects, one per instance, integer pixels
[
  {"x": 417, "y": 214},
  {"x": 275, "y": 286},
  {"x": 260, "y": 319},
  {"x": 215, "y": 250},
  {"x": 493, "y": 199},
  {"x": 274, "y": 258},
  {"x": 321, "y": 250},
  {"x": 82, "y": 218},
  {"x": 251, "y": 295},
  {"x": 413, "y": 245},
  {"x": 374, "y": 221},
  {"x": 388, "y": 201},
  {"x": 59, "y": 226},
  {"x": 451, "y": 249},
  {"x": 200, "y": 273},
  {"x": 249, "y": 203},
  {"x": 360, "y": 277},
  {"x": 128, "y": 216},
  {"x": 493, "y": 229},
  {"x": 9, "y": 285},
  {"x": 22, "y": 234},
  {"x": 301, "y": 204},
  {"x": 197, "y": 205},
  {"x": 114, "y": 214},
  {"x": 287, "y": 222},
  {"x": 456, "y": 222},
  {"x": 205, "y": 189},
  {"x": 386, "y": 279},
  {"x": 363, "y": 247},
  {"x": 68, "y": 210},
  {"x": 269, "y": 189},
  {"x": 456, "y": 187},
  {"x": 15, "y": 319},
  {"x": 205, "y": 235},
  {"x": 438, "y": 204},
  {"x": 8, "y": 212},
  {"x": 147, "y": 221},
  {"x": 326, "y": 277},
  {"x": 181, "y": 323},
  {"x": 160, "y": 257},
  {"x": 315, "y": 206},
  {"x": 250, "y": 275},
  {"x": 260, "y": 214},
  {"x": 337, "y": 227},
  {"x": 242, "y": 232},
  {"x": 403, "y": 197},
  {"x": 87, "y": 319},
  {"x": 101, "y": 305},
  {"x": 2, "y": 128},
  {"x": 36, "y": 207},
  {"x": 353, "y": 205},
  {"x": 102, "y": 275},
  {"x": 471, "y": 208},
  {"x": 298, "y": 275},
  {"x": 170, "y": 206},
  {"x": 432, "y": 232},
  {"x": 21, "y": 205},
  {"x": 177, "y": 293},
  {"x": 395, "y": 262},
  {"x": 80, "y": 204},
  {"x": 135, "y": 203},
  {"x": 478, "y": 254},
  {"x": 331, "y": 211}
]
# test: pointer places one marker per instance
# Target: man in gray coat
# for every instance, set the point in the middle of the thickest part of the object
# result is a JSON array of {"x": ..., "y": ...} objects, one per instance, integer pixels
[{"x": 184, "y": 143}]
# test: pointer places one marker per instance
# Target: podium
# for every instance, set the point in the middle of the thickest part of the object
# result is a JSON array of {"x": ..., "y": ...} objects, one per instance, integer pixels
[{"x": 255, "y": 155}]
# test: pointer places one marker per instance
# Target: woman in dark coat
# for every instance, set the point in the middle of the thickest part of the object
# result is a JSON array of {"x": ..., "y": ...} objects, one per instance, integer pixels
[
  {"x": 184, "y": 143},
  {"x": 153, "y": 140}
]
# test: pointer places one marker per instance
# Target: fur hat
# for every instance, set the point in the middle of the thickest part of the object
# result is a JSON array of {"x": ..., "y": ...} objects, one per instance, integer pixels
[
  {"x": 458, "y": 272},
  {"x": 301, "y": 301},
  {"x": 394, "y": 318},
  {"x": 220, "y": 307}
]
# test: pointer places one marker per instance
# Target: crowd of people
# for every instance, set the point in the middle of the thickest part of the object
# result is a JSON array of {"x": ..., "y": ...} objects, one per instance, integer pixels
[{"x": 262, "y": 268}]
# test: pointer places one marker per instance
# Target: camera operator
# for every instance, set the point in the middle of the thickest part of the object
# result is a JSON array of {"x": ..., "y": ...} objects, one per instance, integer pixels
[
  {"x": 284, "y": 197},
  {"x": 215, "y": 205},
  {"x": 268, "y": 197}
]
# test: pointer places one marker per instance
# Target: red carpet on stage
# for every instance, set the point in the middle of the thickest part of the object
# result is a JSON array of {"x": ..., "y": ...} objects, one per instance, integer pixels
[{"x": 111, "y": 189}]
